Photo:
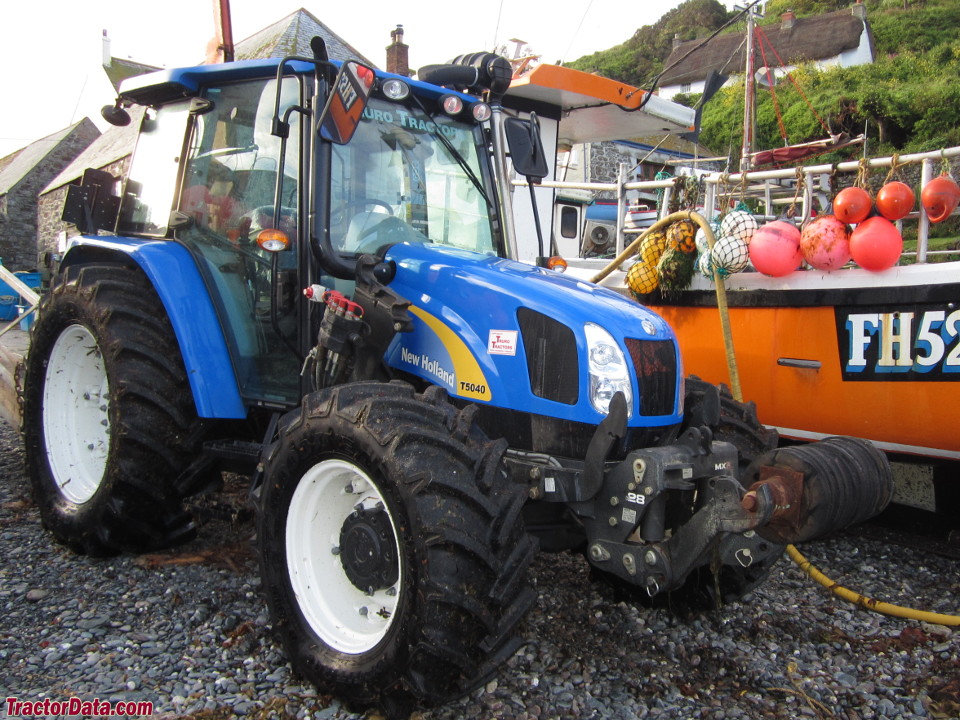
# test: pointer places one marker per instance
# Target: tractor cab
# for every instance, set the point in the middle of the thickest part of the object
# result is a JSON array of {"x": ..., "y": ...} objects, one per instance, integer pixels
[{"x": 271, "y": 197}]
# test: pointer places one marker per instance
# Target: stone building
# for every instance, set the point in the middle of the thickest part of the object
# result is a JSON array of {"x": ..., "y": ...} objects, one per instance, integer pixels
[{"x": 23, "y": 175}]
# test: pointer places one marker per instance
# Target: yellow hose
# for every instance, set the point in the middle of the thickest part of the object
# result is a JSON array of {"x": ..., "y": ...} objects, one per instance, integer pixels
[
  {"x": 866, "y": 602},
  {"x": 723, "y": 307}
]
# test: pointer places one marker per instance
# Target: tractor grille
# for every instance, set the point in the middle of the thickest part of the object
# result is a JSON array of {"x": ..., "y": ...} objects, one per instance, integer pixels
[
  {"x": 551, "y": 351},
  {"x": 656, "y": 364}
]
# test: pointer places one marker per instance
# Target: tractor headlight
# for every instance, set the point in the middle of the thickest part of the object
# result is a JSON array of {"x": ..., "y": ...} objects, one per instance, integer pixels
[{"x": 608, "y": 369}]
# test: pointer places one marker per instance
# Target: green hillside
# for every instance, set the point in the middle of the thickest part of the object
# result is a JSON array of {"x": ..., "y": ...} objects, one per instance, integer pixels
[{"x": 907, "y": 100}]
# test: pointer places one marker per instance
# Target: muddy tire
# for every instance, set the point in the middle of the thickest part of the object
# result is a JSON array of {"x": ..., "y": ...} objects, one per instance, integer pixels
[
  {"x": 739, "y": 424},
  {"x": 108, "y": 417},
  {"x": 392, "y": 547}
]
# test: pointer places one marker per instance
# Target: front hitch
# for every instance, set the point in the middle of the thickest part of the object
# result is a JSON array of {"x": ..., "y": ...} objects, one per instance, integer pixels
[{"x": 664, "y": 512}]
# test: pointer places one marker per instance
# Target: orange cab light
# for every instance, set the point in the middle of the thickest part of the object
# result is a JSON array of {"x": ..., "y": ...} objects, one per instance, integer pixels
[
  {"x": 557, "y": 263},
  {"x": 273, "y": 240}
]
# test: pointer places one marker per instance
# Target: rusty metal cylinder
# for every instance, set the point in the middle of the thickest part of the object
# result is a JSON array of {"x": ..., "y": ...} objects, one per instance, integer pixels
[{"x": 822, "y": 487}]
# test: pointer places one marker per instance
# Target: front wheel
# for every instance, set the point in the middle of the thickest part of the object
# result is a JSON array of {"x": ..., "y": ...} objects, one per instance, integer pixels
[{"x": 391, "y": 546}]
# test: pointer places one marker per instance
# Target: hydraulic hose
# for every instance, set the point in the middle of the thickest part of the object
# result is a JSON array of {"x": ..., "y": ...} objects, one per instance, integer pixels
[{"x": 804, "y": 564}]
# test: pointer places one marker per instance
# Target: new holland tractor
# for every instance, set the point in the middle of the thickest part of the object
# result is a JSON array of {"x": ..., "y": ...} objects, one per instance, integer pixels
[{"x": 303, "y": 277}]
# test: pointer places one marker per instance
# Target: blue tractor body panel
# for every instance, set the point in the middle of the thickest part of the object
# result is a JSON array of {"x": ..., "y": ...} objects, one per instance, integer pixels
[
  {"x": 174, "y": 274},
  {"x": 469, "y": 338}
]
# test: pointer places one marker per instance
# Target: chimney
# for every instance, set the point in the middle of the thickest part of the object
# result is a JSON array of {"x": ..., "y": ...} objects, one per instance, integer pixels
[
  {"x": 397, "y": 54},
  {"x": 859, "y": 10},
  {"x": 676, "y": 40},
  {"x": 786, "y": 20},
  {"x": 107, "y": 57}
]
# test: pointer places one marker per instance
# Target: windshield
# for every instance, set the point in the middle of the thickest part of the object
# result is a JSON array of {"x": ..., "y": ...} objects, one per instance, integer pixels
[{"x": 396, "y": 181}]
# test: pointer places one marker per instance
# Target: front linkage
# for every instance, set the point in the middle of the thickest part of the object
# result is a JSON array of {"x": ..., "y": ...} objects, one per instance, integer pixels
[{"x": 656, "y": 517}]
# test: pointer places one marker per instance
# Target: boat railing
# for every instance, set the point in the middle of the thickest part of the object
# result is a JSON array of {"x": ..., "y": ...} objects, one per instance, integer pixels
[{"x": 807, "y": 188}]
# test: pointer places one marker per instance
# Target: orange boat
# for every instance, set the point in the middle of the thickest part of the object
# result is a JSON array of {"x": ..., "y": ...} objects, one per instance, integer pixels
[{"x": 849, "y": 352}]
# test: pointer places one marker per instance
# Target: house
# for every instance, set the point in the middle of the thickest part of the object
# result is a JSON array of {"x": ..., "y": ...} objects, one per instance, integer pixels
[
  {"x": 112, "y": 152},
  {"x": 24, "y": 174},
  {"x": 842, "y": 38}
]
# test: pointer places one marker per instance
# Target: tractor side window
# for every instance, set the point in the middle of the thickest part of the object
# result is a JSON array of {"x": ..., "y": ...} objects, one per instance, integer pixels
[
  {"x": 233, "y": 164},
  {"x": 235, "y": 184},
  {"x": 152, "y": 181}
]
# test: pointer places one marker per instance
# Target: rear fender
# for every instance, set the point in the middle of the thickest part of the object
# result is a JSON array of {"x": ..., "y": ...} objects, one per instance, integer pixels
[{"x": 174, "y": 275}]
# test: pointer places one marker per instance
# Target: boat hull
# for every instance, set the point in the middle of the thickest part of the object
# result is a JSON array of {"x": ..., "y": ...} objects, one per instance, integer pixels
[{"x": 871, "y": 355}]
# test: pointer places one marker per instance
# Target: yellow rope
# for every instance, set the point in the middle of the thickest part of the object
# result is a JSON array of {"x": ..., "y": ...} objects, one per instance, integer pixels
[{"x": 697, "y": 218}]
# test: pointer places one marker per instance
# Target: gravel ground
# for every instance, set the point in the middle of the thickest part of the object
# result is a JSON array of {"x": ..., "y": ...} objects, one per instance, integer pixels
[{"x": 189, "y": 631}]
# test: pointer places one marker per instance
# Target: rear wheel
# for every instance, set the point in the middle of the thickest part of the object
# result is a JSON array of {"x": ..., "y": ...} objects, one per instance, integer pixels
[
  {"x": 391, "y": 546},
  {"x": 109, "y": 421}
]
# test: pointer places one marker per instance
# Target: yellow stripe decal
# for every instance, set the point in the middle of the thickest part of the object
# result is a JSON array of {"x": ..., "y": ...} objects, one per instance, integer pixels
[{"x": 471, "y": 382}]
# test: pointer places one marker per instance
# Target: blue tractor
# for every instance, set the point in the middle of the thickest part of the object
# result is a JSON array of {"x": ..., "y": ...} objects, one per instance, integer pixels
[{"x": 304, "y": 277}]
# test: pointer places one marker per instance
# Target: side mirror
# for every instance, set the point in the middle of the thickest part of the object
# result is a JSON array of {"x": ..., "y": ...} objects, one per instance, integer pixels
[
  {"x": 526, "y": 148},
  {"x": 115, "y": 114},
  {"x": 348, "y": 98}
]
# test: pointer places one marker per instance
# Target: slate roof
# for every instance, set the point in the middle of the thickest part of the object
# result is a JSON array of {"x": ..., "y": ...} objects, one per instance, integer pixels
[
  {"x": 119, "y": 70},
  {"x": 811, "y": 38},
  {"x": 114, "y": 144},
  {"x": 16, "y": 166},
  {"x": 291, "y": 36}
]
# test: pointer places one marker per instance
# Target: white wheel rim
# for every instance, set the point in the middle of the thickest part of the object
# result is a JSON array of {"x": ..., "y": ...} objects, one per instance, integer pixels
[
  {"x": 76, "y": 404},
  {"x": 345, "y": 617}
]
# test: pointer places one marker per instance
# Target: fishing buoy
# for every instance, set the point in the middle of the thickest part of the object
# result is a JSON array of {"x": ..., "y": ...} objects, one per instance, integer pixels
[
  {"x": 940, "y": 198},
  {"x": 775, "y": 248},
  {"x": 676, "y": 268},
  {"x": 738, "y": 224},
  {"x": 825, "y": 243},
  {"x": 703, "y": 246},
  {"x": 852, "y": 205},
  {"x": 682, "y": 235},
  {"x": 895, "y": 200},
  {"x": 705, "y": 265},
  {"x": 730, "y": 254},
  {"x": 876, "y": 244},
  {"x": 642, "y": 278},
  {"x": 652, "y": 247}
]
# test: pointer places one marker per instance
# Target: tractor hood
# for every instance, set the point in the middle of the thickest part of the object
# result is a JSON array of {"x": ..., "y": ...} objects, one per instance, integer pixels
[{"x": 496, "y": 331}]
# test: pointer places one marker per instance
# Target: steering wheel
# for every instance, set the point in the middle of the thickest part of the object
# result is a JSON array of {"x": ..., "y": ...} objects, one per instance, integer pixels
[{"x": 389, "y": 231}]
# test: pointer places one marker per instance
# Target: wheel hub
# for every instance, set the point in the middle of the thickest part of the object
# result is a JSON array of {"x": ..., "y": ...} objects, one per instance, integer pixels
[{"x": 368, "y": 550}]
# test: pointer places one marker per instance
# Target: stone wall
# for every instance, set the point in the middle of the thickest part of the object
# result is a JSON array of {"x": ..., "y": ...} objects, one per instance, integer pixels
[{"x": 18, "y": 218}]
